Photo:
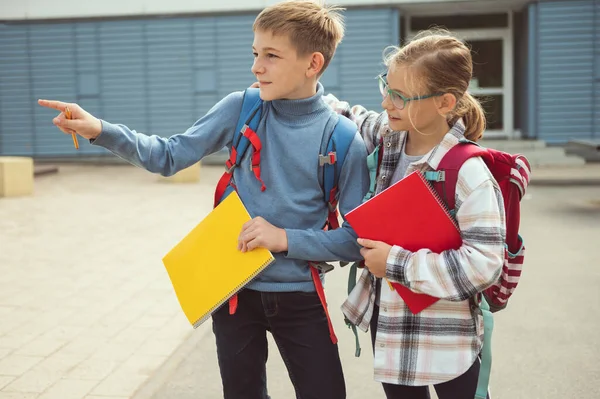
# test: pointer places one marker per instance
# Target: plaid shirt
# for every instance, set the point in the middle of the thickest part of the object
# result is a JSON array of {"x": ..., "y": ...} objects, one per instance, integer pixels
[{"x": 441, "y": 342}]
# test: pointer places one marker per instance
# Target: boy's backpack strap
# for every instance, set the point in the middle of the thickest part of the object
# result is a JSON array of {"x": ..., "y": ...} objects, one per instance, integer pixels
[
  {"x": 445, "y": 178},
  {"x": 331, "y": 158},
  {"x": 249, "y": 117},
  {"x": 243, "y": 136}
]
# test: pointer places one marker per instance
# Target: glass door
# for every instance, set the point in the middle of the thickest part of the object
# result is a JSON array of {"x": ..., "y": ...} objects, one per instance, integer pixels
[{"x": 489, "y": 84}]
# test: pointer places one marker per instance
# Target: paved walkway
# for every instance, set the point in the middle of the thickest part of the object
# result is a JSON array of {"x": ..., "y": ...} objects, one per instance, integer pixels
[
  {"x": 545, "y": 344},
  {"x": 86, "y": 307},
  {"x": 87, "y": 310}
]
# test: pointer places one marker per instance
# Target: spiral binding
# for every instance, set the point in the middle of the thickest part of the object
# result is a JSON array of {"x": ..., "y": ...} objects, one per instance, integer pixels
[
  {"x": 439, "y": 199},
  {"x": 231, "y": 293}
]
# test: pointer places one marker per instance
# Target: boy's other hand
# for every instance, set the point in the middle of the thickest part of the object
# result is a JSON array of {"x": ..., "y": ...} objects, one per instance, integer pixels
[
  {"x": 258, "y": 233},
  {"x": 82, "y": 122},
  {"x": 375, "y": 254},
  {"x": 255, "y": 85}
]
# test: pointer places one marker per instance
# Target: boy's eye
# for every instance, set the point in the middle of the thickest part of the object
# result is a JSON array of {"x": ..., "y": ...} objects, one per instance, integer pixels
[
  {"x": 271, "y": 55},
  {"x": 255, "y": 55}
]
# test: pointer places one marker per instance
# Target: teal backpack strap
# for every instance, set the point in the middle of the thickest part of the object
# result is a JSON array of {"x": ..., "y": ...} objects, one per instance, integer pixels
[
  {"x": 351, "y": 284},
  {"x": 373, "y": 162},
  {"x": 373, "y": 166},
  {"x": 486, "y": 353}
]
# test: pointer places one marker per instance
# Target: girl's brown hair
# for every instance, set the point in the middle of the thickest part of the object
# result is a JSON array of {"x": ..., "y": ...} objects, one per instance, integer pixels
[{"x": 444, "y": 65}]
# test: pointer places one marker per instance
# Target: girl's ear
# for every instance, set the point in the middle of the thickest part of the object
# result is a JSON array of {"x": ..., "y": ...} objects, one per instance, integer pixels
[
  {"x": 316, "y": 64},
  {"x": 446, "y": 103}
]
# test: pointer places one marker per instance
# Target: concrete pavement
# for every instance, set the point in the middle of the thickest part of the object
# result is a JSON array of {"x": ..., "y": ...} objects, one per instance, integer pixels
[
  {"x": 88, "y": 311},
  {"x": 87, "y": 308}
]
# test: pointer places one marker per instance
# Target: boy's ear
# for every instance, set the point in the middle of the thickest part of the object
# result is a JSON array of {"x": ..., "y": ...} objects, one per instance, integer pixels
[
  {"x": 446, "y": 103},
  {"x": 317, "y": 61}
]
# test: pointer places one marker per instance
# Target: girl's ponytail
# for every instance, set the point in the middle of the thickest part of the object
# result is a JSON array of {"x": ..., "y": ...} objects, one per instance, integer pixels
[{"x": 472, "y": 114}]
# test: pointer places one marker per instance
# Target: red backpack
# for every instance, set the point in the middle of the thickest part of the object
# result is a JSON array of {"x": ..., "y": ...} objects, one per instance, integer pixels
[{"x": 512, "y": 172}]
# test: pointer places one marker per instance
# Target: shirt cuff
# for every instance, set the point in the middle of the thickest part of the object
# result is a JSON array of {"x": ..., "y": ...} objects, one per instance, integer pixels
[
  {"x": 108, "y": 134},
  {"x": 293, "y": 238},
  {"x": 397, "y": 262}
]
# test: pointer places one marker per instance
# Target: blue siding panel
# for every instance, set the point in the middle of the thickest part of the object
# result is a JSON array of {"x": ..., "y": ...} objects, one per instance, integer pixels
[
  {"x": 170, "y": 84},
  {"x": 16, "y": 122},
  {"x": 124, "y": 73},
  {"x": 53, "y": 73},
  {"x": 359, "y": 58},
  {"x": 596, "y": 134},
  {"x": 234, "y": 53},
  {"x": 204, "y": 51},
  {"x": 565, "y": 51},
  {"x": 157, "y": 76}
]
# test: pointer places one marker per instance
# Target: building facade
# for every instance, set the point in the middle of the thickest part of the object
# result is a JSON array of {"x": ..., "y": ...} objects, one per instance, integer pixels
[{"x": 158, "y": 66}]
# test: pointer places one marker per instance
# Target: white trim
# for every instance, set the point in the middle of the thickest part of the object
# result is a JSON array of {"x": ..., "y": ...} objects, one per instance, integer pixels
[
  {"x": 460, "y": 7},
  {"x": 509, "y": 72},
  {"x": 488, "y": 91},
  {"x": 473, "y": 34},
  {"x": 494, "y": 134}
]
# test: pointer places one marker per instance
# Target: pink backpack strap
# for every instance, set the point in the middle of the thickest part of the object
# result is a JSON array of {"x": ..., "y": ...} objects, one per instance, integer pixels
[{"x": 444, "y": 181}]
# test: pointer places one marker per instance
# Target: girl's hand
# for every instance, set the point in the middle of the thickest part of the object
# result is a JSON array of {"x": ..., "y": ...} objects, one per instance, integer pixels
[{"x": 375, "y": 254}]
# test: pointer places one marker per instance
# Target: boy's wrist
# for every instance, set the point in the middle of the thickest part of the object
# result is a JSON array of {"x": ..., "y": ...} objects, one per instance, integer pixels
[{"x": 283, "y": 241}]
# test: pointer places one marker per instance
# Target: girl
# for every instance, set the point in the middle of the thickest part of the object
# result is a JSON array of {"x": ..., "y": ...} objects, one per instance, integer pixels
[{"x": 427, "y": 111}]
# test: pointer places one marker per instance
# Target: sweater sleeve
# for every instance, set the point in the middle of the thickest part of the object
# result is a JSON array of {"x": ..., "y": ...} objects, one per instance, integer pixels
[
  {"x": 169, "y": 155},
  {"x": 338, "y": 244}
]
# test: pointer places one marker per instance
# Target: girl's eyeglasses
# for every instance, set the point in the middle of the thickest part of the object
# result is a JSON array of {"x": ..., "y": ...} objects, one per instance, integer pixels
[{"x": 398, "y": 99}]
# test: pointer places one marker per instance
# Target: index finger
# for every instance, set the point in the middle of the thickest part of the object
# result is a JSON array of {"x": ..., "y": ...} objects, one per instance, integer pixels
[{"x": 57, "y": 105}]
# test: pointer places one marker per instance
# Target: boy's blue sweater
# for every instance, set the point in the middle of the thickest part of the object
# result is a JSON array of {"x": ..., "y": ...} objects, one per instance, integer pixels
[{"x": 290, "y": 132}]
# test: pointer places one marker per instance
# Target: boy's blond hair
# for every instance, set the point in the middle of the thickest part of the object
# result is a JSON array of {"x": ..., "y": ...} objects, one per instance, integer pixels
[{"x": 310, "y": 25}]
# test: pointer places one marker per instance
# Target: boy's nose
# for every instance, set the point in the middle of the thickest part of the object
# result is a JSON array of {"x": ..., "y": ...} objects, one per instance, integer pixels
[{"x": 257, "y": 68}]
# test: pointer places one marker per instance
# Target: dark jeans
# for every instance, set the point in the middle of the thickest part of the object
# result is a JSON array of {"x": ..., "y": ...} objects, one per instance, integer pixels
[
  {"x": 298, "y": 324},
  {"x": 462, "y": 387}
]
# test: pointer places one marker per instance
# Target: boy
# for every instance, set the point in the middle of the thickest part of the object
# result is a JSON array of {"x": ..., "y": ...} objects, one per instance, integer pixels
[{"x": 293, "y": 44}]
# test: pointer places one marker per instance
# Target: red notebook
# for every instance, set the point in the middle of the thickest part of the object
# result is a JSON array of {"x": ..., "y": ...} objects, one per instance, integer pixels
[{"x": 411, "y": 215}]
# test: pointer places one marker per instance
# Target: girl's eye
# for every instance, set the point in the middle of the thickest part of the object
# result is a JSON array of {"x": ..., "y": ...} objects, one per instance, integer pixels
[
  {"x": 255, "y": 55},
  {"x": 271, "y": 55}
]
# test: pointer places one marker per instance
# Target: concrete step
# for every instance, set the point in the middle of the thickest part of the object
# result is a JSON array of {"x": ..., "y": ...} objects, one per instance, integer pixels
[
  {"x": 513, "y": 145},
  {"x": 586, "y": 149},
  {"x": 534, "y": 150},
  {"x": 218, "y": 158},
  {"x": 548, "y": 156},
  {"x": 537, "y": 152},
  {"x": 545, "y": 161}
]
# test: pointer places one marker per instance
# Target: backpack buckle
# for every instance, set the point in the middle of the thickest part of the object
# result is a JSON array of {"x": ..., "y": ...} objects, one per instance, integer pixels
[
  {"x": 230, "y": 169},
  {"x": 322, "y": 267},
  {"x": 328, "y": 159},
  {"x": 437, "y": 176}
]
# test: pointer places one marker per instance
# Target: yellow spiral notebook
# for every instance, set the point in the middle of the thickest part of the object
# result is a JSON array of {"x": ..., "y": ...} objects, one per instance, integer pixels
[{"x": 206, "y": 268}]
